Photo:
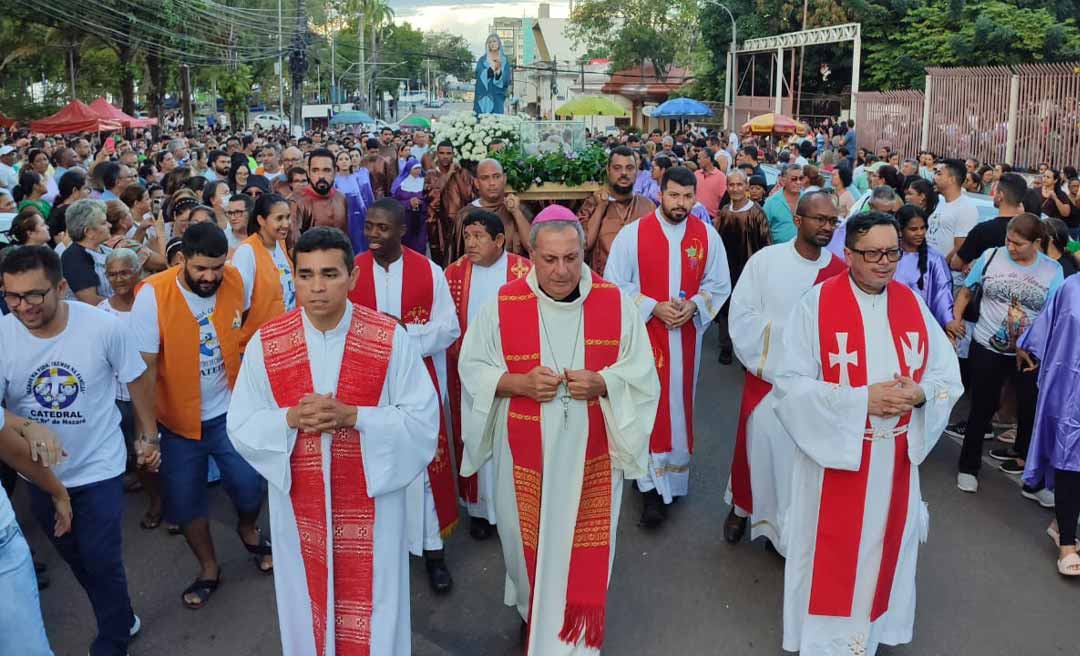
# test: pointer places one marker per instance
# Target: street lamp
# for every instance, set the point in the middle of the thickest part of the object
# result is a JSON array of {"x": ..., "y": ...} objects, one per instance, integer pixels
[{"x": 729, "y": 83}]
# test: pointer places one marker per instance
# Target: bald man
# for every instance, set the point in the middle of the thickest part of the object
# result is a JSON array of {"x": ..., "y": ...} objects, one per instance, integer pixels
[{"x": 491, "y": 186}]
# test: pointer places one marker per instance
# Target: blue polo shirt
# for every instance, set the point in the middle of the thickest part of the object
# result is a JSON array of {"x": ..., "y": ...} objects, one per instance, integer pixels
[{"x": 781, "y": 220}]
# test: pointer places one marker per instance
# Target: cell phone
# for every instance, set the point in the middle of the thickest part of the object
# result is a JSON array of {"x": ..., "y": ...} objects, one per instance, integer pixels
[{"x": 110, "y": 146}]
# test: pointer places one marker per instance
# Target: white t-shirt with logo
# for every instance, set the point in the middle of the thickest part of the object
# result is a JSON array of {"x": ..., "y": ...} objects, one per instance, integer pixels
[
  {"x": 951, "y": 221},
  {"x": 68, "y": 383},
  {"x": 213, "y": 382},
  {"x": 244, "y": 261}
]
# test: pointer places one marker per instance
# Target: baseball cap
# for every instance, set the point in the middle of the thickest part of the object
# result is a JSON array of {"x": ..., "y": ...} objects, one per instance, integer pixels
[{"x": 4, "y": 150}]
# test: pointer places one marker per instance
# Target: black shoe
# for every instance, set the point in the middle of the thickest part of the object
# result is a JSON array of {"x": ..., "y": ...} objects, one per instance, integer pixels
[
  {"x": 734, "y": 527},
  {"x": 1004, "y": 454},
  {"x": 523, "y": 634},
  {"x": 480, "y": 528},
  {"x": 652, "y": 511},
  {"x": 726, "y": 356},
  {"x": 1012, "y": 467},
  {"x": 438, "y": 575},
  {"x": 956, "y": 430}
]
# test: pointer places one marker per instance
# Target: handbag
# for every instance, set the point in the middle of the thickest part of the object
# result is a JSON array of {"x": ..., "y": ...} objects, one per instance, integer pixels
[{"x": 974, "y": 306}]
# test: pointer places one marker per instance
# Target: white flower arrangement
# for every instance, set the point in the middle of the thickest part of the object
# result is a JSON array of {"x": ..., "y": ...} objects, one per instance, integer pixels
[{"x": 472, "y": 134}]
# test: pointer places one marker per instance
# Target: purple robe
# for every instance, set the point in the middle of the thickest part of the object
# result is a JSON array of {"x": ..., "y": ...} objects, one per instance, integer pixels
[
  {"x": 937, "y": 282},
  {"x": 416, "y": 231},
  {"x": 1052, "y": 340}
]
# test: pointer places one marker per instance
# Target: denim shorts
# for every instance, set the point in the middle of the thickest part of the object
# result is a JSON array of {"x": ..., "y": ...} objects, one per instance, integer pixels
[
  {"x": 184, "y": 464},
  {"x": 21, "y": 625}
]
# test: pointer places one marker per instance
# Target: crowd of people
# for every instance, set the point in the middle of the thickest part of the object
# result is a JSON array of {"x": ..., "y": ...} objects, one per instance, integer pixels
[{"x": 294, "y": 316}]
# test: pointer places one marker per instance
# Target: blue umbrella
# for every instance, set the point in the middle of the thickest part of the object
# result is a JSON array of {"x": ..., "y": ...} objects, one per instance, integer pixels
[
  {"x": 351, "y": 118},
  {"x": 681, "y": 108}
]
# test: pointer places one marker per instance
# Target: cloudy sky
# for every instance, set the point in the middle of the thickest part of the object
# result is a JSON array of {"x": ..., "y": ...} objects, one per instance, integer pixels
[{"x": 467, "y": 18}]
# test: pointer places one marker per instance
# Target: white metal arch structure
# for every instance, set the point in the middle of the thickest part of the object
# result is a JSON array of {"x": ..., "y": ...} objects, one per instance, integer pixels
[{"x": 814, "y": 37}]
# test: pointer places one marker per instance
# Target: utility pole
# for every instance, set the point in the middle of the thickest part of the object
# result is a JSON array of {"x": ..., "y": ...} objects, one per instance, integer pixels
[
  {"x": 280, "y": 67},
  {"x": 185, "y": 95},
  {"x": 71, "y": 61},
  {"x": 802, "y": 55},
  {"x": 360, "y": 63},
  {"x": 333, "y": 61},
  {"x": 297, "y": 67}
]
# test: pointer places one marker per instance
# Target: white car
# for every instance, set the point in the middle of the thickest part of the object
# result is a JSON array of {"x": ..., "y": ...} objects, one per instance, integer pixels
[{"x": 267, "y": 122}]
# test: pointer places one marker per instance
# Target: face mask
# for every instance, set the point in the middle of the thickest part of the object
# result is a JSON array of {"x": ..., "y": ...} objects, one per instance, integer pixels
[{"x": 224, "y": 201}]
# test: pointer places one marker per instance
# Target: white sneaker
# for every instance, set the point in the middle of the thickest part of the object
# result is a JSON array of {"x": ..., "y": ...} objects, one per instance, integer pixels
[
  {"x": 135, "y": 627},
  {"x": 1043, "y": 497},
  {"x": 967, "y": 483}
]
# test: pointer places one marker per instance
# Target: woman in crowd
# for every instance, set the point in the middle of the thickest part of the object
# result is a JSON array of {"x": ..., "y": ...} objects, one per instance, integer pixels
[
  {"x": 73, "y": 187},
  {"x": 408, "y": 189},
  {"x": 178, "y": 212},
  {"x": 216, "y": 194},
  {"x": 1004, "y": 315},
  {"x": 972, "y": 183},
  {"x": 38, "y": 162},
  {"x": 922, "y": 268},
  {"x": 7, "y": 202},
  {"x": 841, "y": 183},
  {"x": 986, "y": 177},
  {"x": 238, "y": 175},
  {"x": 256, "y": 186},
  {"x": 345, "y": 180},
  {"x": 28, "y": 228},
  {"x": 1055, "y": 202},
  {"x": 1055, "y": 245},
  {"x": 121, "y": 224},
  {"x": 812, "y": 178},
  {"x": 239, "y": 215},
  {"x": 123, "y": 271},
  {"x": 83, "y": 261},
  {"x": 1051, "y": 348},
  {"x": 264, "y": 264},
  {"x": 921, "y": 194},
  {"x": 31, "y": 191}
]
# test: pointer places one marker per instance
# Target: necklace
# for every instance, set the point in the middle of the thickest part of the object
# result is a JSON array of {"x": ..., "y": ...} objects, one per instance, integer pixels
[{"x": 561, "y": 371}]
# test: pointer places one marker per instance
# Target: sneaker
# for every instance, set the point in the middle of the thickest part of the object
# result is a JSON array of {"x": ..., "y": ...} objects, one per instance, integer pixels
[
  {"x": 1008, "y": 437},
  {"x": 956, "y": 430},
  {"x": 135, "y": 627},
  {"x": 1003, "y": 454},
  {"x": 967, "y": 483},
  {"x": 1043, "y": 496},
  {"x": 1013, "y": 466}
]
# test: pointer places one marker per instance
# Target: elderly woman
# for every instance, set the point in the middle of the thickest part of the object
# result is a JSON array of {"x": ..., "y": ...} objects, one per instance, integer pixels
[
  {"x": 121, "y": 224},
  {"x": 216, "y": 194},
  {"x": 408, "y": 189},
  {"x": 84, "y": 261},
  {"x": 123, "y": 271}
]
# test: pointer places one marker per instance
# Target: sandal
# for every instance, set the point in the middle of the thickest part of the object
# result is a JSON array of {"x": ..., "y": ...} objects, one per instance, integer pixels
[
  {"x": 203, "y": 589},
  {"x": 150, "y": 520},
  {"x": 260, "y": 551},
  {"x": 1055, "y": 535},
  {"x": 1069, "y": 565},
  {"x": 174, "y": 529}
]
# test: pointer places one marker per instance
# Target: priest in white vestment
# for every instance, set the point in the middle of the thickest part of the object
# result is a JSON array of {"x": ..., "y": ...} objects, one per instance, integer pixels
[
  {"x": 474, "y": 280},
  {"x": 563, "y": 359},
  {"x": 864, "y": 386},
  {"x": 773, "y": 281},
  {"x": 394, "y": 424},
  {"x": 676, "y": 271},
  {"x": 398, "y": 281}
]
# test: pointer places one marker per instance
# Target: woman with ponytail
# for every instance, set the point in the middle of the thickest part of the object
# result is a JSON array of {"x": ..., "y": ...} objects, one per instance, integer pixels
[
  {"x": 922, "y": 268},
  {"x": 72, "y": 187},
  {"x": 31, "y": 191}
]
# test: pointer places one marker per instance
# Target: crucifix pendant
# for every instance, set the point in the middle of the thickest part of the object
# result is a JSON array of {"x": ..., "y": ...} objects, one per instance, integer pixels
[{"x": 565, "y": 410}]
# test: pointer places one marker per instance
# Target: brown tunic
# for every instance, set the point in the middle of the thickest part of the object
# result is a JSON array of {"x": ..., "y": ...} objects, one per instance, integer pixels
[
  {"x": 380, "y": 170},
  {"x": 515, "y": 243},
  {"x": 617, "y": 214},
  {"x": 309, "y": 209},
  {"x": 447, "y": 192},
  {"x": 743, "y": 233}
]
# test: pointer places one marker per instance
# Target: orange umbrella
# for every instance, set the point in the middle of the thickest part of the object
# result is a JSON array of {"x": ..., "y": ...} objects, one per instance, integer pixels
[{"x": 771, "y": 124}]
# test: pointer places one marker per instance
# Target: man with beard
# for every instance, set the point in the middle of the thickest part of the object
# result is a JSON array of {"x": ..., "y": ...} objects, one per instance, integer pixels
[
  {"x": 402, "y": 283},
  {"x": 676, "y": 271},
  {"x": 770, "y": 284},
  {"x": 491, "y": 185},
  {"x": 380, "y": 169},
  {"x": 744, "y": 230},
  {"x": 605, "y": 212},
  {"x": 187, "y": 322},
  {"x": 388, "y": 149},
  {"x": 449, "y": 187},
  {"x": 219, "y": 166},
  {"x": 319, "y": 204}
]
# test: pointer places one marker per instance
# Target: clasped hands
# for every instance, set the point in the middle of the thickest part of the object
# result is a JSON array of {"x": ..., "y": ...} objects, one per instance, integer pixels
[
  {"x": 541, "y": 384},
  {"x": 675, "y": 313},
  {"x": 320, "y": 413},
  {"x": 894, "y": 398}
]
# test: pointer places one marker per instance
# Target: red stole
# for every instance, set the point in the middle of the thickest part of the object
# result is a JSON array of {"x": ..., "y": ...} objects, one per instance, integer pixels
[
  {"x": 363, "y": 372},
  {"x": 417, "y": 297},
  {"x": 519, "y": 330},
  {"x": 459, "y": 279},
  {"x": 754, "y": 390},
  {"x": 843, "y": 493},
  {"x": 653, "y": 276}
]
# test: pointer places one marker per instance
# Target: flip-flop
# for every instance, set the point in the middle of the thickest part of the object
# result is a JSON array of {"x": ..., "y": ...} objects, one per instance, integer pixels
[
  {"x": 1055, "y": 535},
  {"x": 204, "y": 588},
  {"x": 150, "y": 521},
  {"x": 1069, "y": 565},
  {"x": 259, "y": 551}
]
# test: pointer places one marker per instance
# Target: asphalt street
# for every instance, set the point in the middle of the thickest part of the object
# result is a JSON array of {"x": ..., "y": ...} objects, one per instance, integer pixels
[{"x": 987, "y": 583}]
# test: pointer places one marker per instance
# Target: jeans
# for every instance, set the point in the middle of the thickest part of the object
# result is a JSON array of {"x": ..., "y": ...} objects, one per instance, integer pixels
[
  {"x": 184, "y": 466},
  {"x": 94, "y": 551},
  {"x": 988, "y": 372},
  {"x": 20, "y": 609}
]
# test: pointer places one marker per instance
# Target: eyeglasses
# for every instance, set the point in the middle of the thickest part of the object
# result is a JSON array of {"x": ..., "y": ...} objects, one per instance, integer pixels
[
  {"x": 874, "y": 256},
  {"x": 831, "y": 220},
  {"x": 235, "y": 212},
  {"x": 32, "y": 298}
]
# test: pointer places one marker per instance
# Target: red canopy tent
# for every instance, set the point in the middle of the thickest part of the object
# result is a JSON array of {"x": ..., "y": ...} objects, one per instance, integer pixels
[
  {"x": 75, "y": 117},
  {"x": 114, "y": 113},
  {"x": 6, "y": 122}
]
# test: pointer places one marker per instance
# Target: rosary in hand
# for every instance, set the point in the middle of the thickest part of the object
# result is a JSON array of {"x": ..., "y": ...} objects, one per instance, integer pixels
[{"x": 559, "y": 370}]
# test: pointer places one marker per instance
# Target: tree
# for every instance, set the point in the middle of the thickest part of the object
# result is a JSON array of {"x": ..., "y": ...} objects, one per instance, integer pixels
[
  {"x": 234, "y": 87},
  {"x": 639, "y": 31}
]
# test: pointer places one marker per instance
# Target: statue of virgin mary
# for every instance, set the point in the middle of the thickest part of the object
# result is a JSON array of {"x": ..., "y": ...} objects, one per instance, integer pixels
[{"x": 493, "y": 78}]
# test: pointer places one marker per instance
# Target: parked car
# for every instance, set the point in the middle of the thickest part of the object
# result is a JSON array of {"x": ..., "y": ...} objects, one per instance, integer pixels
[{"x": 267, "y": 122}]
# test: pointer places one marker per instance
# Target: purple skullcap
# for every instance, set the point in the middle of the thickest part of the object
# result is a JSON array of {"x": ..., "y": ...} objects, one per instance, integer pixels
[{"x": 555, "y": 213}]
